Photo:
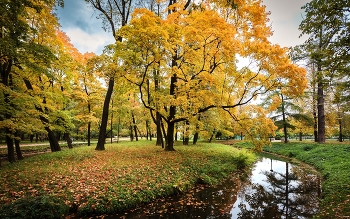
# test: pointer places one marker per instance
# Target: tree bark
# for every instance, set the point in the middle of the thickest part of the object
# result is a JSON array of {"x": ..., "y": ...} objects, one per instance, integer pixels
[
  {"x": 159, "y": 130},
  {"x": 163, "y": 134},
  {"x": 314, "y": 109},
  {"x": 176, "y": 131},
  {"x": 112, "y": 124},
  {"x": 103, "y": 127},
  {"x": 148, "y": 131},
  {"x": 10, "y": 147},
  {"x": 321, "y": 131},
  {"x": 170, "y": 136},
  {"x": 195, "y": 138},
  {"x": 315, "y": 127},
  {"x": 52, "y": 139},
  {"x": 89, "y": 133},
  {"x": 134, "y": 126},
  {"x": 18, "y": 148},
  {"x": 340, "y": 131},
  {"x": 284, "y": 122},
  {"x": 172, "y": 111},
  {"x": 68, "y": 140},
  {"x": 186, "y": 137}
]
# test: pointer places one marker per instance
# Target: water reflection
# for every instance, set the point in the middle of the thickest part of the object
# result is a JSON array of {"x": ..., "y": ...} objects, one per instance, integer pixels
[
  {"x": 279, "y": 193},
  {"x": 273, "y": 189}
]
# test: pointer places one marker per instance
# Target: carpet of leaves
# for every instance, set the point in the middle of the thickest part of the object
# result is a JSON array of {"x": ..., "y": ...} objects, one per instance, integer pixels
[{"x": 121, "y": 177}]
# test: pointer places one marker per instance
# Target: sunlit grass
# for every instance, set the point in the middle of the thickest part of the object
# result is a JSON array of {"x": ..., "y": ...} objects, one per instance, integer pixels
[
  {"x": 124, "y": 175},
  {"x": 332, "y": 160}
]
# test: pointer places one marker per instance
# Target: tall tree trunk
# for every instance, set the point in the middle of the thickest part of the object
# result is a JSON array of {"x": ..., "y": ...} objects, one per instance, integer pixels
[
  {"x": 176, "y": 131},
  {"x": 18, "y": 148},
  {"x": 186, "y": 137},
  {"x": 103, "y": 127},
  {"x": 315, "y": 126},
  {"x": 68, "y": 140},
  {"x": 10, "y": 147},
  {"x": 89, "y": 123},
  {"x": 284, "y": 121},
  {"x": 170, "y": 137},
  {"x": 195, "y": 137},
  {"x": 52, "y": 139},
  {"x": 163, "y": 134},
  {"x": 158, "y": 119},
  {"x": 134, "y": 126},
  {"x": 300, "y": 136},
  {"x": 112, "y": 124},
  {"x": 321, "y": 124},
  {"x": 314, "y": 101},
  {"x": 172, "y": 111},
  {"x": 89, "y": 133},
  {"x": 321, "y": 131},
  {"x": 340, "y": 131},
  {"x": 159, "y": 130}
]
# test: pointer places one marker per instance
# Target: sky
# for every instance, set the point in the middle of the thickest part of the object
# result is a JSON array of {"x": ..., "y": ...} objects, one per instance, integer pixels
[{"x": 85, "y": 31}]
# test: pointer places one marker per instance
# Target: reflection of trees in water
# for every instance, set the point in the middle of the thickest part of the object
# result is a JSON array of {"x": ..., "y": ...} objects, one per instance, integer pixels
[{"x": 293, "y": 194}]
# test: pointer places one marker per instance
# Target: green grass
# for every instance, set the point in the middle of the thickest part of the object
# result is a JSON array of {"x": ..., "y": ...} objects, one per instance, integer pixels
[
  {"x": 104, "y": 182},
  {"x": 332, "y": 160}
]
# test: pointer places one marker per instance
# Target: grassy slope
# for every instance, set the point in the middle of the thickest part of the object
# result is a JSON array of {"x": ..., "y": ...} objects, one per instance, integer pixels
[
  {"x": 122, "y": 176},
  {"x": 333, "y": 162}
]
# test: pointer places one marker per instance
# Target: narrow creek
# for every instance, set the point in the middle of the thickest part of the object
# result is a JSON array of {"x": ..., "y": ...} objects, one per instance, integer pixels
[{"x": 272, "y": 189}]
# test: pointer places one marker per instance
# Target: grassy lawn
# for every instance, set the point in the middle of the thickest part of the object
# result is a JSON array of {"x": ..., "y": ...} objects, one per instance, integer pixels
[
  {"x": 332, "y": 160},
  {"x": 87, "y": 182}
]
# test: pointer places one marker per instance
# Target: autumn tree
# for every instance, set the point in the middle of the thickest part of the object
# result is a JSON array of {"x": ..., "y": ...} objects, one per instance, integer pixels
[
  {"x": 326, "y": 23},
  {"x": 114, "y": 14},
  {"x": 196, "y": 53},
  {"x": 21, "y": 53},
  {"x": 87, "y": 92}
]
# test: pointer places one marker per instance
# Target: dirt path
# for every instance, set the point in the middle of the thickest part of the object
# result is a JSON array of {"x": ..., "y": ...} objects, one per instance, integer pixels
[{"x": 44, "y": 144}]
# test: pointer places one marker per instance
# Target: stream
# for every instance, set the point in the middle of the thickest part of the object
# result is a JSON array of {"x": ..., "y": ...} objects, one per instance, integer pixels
[{"x": 272, "y": 189}]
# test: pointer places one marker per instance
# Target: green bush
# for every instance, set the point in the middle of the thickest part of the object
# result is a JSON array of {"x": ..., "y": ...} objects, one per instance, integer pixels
[
  {"x": 309, "y": 147},
  {"x": 45, "y": 207},
  {"x": 242, "y": 160}
]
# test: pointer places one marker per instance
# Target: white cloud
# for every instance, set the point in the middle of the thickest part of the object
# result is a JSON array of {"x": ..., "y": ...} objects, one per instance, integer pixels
[
  {"x": 285, "y": 18},
  {"x": 86, "y": 42}
]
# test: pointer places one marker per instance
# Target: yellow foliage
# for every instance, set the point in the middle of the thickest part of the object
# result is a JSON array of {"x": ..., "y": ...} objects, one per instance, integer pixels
[{"x": 187, "y": 61}]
